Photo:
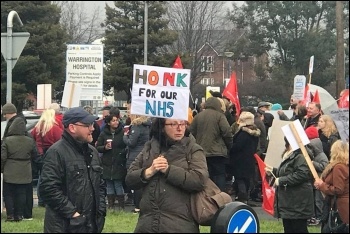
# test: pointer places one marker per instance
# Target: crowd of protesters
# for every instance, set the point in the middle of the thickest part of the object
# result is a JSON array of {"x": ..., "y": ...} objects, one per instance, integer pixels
[{"x": 89, "y": 165}]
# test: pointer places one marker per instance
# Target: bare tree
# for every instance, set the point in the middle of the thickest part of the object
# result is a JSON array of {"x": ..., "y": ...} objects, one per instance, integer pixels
[
  {"x": 81, "y": 26},
  {"x": 198, "y": 23}
]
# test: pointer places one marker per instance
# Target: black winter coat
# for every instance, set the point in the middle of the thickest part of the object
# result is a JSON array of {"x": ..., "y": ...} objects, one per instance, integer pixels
[
  {"x": 242, "y": 160},
  {"x": 113, "y": 160},
  {"x": 71, "y": 181}
]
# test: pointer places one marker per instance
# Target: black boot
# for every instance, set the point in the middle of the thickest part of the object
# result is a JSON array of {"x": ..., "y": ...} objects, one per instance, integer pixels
[
  {"x": 121, "y": 202},
  {"x": 111, "y": 200}
]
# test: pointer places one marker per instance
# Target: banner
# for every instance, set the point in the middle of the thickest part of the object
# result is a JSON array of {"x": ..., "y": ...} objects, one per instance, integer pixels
[{"x": 160, "y": 92}]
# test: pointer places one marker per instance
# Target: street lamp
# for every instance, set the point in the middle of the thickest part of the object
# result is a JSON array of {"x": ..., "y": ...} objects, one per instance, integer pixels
[
  {"x": 228, "y": 55},
  {"x": 145, "y": 34}
]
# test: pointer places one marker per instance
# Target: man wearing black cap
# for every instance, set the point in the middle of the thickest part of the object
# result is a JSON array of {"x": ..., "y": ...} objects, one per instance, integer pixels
[{"x": 71, "y": 179}]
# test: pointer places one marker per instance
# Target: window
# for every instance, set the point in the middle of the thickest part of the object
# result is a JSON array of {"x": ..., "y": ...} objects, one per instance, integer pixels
[
  {"x": 207, "y": 63},
  {"x": 207, "y": 81}
]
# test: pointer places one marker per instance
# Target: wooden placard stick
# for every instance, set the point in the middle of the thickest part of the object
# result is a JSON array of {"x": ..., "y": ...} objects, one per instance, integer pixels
[{"x": 303, "y": 150}]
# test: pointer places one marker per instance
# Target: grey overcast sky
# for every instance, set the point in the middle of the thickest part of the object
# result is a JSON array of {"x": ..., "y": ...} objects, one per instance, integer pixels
[{"x": 101, "y": 4}]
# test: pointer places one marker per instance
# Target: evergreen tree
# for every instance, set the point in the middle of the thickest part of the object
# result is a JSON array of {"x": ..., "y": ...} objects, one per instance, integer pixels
[
  {"x": 291, "y": 32},
  {"x": 124, "y": 41},
  {"x": 42, "y": 60}
]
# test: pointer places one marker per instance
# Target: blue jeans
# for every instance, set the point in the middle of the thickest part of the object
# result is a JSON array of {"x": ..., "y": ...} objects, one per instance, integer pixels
[{"x": 115, "y": 187}]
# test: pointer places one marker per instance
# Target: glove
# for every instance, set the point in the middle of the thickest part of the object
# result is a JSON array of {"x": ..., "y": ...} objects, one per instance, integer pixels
[
  {"x": 276, "y": 182},
  {"x": 268, "y": 169}
]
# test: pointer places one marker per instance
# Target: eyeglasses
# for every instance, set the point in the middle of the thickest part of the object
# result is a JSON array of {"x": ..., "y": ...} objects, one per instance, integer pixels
[
  {"x": 85, "y": 125},
  {"x": 176, "y": 125}
]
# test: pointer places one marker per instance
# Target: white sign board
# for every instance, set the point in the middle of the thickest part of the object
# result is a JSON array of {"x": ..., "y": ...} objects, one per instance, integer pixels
[
  {"x": 71, "y": 95},
  {"x": 311, "y": 64},
  {"x": 299, "y": 87},
  {"x": 160, "y": 92},
  {"x": 85, "y": 68},
  {"x": 341, "y": 120},
  {"x": 287, "y": 131},
  {"x": 44, "y": 96}
]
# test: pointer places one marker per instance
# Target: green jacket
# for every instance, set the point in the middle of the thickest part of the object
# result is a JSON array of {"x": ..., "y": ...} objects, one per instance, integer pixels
[
  {"x": 211, "y": 129},
  {"x": 165, "y": 204},
  {"x": 17, "y": 151},
  {"x": 294, "y": 195}
]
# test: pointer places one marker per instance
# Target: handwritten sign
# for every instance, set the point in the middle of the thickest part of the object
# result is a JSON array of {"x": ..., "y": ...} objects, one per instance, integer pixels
[
  {"x": 160, "y": 92},
  {"x": 341, "y": 120}
]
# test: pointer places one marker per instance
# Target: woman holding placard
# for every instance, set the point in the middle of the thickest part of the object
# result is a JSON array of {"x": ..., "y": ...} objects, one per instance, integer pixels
[{"x": 294, "y": 201}]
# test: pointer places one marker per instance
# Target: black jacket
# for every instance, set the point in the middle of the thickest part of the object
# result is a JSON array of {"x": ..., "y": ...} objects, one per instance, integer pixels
[{"x": 71, "y": 181}]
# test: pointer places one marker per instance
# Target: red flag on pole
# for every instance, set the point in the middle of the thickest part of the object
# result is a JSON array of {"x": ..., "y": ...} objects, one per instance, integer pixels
[
  {"x": 177, "y": 63},
  {"x": 307, "y": 96},
  {"x": 344, "y": 99},
  {"x": 267, "y": 190},
  {"x": 316, "y": 97},
  {"x": 231, "y": 92}
]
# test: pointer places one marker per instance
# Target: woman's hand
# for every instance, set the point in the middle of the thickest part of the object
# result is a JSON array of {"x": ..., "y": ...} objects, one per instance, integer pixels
[
  {"x": 318, "y": 183},
  {"x": 161, "y": 164}
]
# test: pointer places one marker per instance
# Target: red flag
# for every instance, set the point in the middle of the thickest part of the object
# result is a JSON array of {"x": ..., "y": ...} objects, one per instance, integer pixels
[
  {"x": 316, "y": 97},
  {"x": 231, "y": 92},
  {"x": 177, "y": 63},
  {"x": 267, "y": 190},
  {"x": 307, "y": 96},
  {"x": 344, "y": 99}
]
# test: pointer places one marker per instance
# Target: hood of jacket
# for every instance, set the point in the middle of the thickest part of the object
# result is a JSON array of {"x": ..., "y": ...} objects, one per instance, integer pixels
[
  {"x": 17, "y": 128},
  {"x": 144, "y": 120},
  {"x": 316, "y": 146},
  {"x": 213, "y": 103},
  {"x": 254, "y": 131}
]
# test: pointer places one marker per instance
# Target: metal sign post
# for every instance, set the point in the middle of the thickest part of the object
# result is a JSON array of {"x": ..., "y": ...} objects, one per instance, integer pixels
[{"x": 12, "y": 45}]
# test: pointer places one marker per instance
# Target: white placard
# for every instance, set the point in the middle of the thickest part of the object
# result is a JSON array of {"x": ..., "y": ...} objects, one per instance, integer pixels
[
  {"x": 71, "y": 95},
  {"x": 287, "y": 131},
  {"x": 85, "y": 68},
  {"x": 299, "y": 87},
  {"x": 160, "y": 92},
  {"x": 341, "y": 120},
  {"x": 44, "y": 96},
  {"x": 311, "y": 64}
]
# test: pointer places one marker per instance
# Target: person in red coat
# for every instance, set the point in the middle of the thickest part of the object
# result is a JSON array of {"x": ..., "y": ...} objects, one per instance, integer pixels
[{"x": 45, "y": 133}]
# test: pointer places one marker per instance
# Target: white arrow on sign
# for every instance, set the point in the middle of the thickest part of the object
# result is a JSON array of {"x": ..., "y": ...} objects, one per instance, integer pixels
[
  {"x": 245, "y": 226},
  {"x": 19, "y": 40}
]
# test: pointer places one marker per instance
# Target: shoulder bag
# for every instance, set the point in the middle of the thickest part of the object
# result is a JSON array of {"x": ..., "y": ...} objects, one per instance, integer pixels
[
  {"x": 333, "y": 223},
  {"x": 206, "y": 203}
]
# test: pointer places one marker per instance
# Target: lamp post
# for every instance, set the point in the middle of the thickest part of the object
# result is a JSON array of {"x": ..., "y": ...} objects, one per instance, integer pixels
[
  {"x": 145, "y": 34},
  {"x": 228, "y": 55}
]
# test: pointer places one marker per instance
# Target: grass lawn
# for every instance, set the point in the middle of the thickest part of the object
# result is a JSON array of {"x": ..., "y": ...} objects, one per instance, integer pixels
[{"x": 117, "y": 222}]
